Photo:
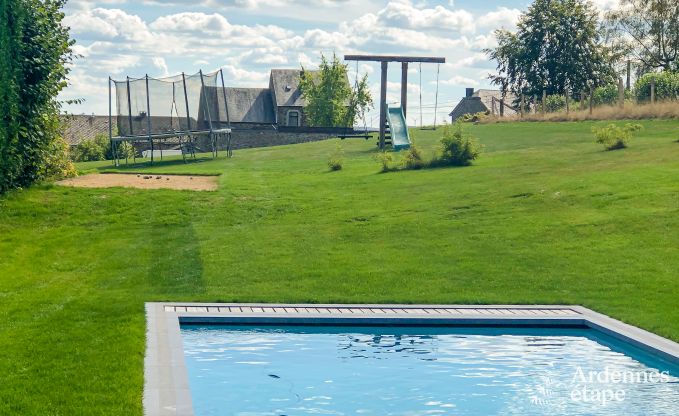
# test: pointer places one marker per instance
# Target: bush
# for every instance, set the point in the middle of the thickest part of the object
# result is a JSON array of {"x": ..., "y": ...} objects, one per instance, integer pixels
[
  {"x": 476, "y": 117},
  {"x": 666, "y": 87},
  {"x": 336, "y": 159},
  {"x": 614, "y": 137},
  {"x": 91, "y": 150},
  {"x": 126, "y": 151},
  {"x": 384, "y": 158},
  {"x": 35, "y": 57},
  {"x": 457, "y": 148},
  {"x": 555, "y": 103},
  {"x": 609, "y": 95},
  {"x": 412, "y": 158}
]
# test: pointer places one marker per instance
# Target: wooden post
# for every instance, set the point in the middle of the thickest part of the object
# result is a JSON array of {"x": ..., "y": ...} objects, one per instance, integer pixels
[
  {"x": 404, "y": 87},
  {"x": 544, "y": 101},
  {"x": 383, "y": 104},
  {"x": 523, "y": 104},
  {"x": 653, "y": 90},
  {"x": 591, "y": 100},
  {"x": 629, "y": 75},
  {"x": 582, "y": 100},
  {"x": 568, "y": 110},
  {"x": 535, "y": 104},
  {"x": 621, "y": 93},
  {"x": 502, "y": 107}
]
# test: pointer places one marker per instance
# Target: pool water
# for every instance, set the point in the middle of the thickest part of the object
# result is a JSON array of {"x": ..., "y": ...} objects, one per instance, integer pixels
[{"x": 238, "y": 370}]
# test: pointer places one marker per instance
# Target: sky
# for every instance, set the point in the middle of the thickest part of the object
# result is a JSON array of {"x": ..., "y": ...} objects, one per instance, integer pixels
[{"x": 247, "y": 38}]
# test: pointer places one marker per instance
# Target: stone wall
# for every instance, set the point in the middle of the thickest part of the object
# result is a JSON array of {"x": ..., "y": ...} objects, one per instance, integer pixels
[{"x": 247, "y": 135}]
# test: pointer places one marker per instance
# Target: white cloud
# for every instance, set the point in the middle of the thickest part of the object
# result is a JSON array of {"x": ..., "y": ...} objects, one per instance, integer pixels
[
  {"x": 203, "y": 35},
  {"x": 405, "y": 14},
  {"x": 502, "y": 18},
  {"x": 161, "y": 65},
  {"x": 458, "y": 80}
]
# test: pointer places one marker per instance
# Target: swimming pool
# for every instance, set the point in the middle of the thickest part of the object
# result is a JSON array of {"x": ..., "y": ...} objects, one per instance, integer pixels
[
  {"x": 420, "y": 370},
  {"x": 283, "y": 359}
]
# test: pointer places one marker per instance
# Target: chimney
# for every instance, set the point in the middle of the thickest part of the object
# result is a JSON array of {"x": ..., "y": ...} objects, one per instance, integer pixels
[{"x": 469, "y": 92}]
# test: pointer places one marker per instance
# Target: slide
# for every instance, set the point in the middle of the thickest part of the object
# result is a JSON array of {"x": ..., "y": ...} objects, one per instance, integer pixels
[{"x": 400, "y": 138}]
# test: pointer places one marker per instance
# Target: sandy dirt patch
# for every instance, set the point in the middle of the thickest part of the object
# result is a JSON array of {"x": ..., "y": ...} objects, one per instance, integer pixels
[{"x": 141, "y": 181}]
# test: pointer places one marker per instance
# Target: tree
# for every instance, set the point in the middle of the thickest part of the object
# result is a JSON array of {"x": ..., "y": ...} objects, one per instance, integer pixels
[
  {"x": 556, "y": 48},
  {"x": 35, "y": 51},
  {"x": 330, "y": 99},
  {"x": 650, "y": 31}
]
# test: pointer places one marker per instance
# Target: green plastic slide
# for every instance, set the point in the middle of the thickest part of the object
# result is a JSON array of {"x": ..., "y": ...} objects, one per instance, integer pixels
[{"x": 400, "y": 138}]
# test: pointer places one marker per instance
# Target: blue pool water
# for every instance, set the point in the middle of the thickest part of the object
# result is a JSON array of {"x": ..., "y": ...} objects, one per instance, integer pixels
[{"x": 274, "y": 371}]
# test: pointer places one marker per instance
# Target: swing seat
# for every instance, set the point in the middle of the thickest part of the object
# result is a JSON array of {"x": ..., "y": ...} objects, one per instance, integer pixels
[{"x": 355, "y": 136}]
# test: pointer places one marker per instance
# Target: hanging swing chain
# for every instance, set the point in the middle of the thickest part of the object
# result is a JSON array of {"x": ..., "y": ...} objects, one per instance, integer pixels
[
  {"x": 436, "y": 101},
  {"x": 420, "y": 71}
]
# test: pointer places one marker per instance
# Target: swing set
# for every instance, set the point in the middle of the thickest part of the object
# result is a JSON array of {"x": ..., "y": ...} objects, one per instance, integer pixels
[{"x": 393, "y": 120}]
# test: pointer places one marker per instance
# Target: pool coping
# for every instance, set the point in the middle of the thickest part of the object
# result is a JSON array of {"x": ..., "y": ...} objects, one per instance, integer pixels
[{"x": 166, "y": 383}]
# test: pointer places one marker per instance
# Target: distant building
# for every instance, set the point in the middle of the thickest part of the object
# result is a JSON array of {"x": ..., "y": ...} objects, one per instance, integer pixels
[
  {"x": 280, "y": 105},
  {"x": 258, "y": 116},
  {"x": 483, "y": 101}
]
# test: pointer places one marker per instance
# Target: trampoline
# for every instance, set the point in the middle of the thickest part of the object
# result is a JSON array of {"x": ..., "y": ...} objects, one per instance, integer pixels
[{"x": 182, "y": 111}]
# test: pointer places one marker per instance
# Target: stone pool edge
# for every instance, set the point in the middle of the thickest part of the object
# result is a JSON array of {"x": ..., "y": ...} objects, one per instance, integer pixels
[{"x": 166, "y": 384}]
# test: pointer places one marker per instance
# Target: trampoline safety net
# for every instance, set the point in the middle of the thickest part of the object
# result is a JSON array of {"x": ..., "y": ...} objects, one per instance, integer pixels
[{"x": 183, "y": 103}]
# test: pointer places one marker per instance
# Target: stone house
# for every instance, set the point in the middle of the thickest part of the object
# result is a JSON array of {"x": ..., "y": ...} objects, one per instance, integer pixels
[{"x": 482, "y": 101}]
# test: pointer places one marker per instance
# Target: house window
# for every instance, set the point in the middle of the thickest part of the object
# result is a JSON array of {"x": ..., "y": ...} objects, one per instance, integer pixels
[{"x": 293, "y": 118}]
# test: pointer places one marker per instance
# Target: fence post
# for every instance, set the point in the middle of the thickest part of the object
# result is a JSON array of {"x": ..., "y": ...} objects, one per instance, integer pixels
[
  {"x": 582, "y": 100},
  {"x": 591, "y": 100},
  {"x": 629, "y": 74},
  {"x": 502, "y": 107},
  {"x": 535, "y": 104},
  {"x": 621, "y": 93},
  {"x": 523, "y": 104},
  {"x": 544, "y": 100},
  {"x": 568, "y": 110},
  {"x": 653, "y": 90}
]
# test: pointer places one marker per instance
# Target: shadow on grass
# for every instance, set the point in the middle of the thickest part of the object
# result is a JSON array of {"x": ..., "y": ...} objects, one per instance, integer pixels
[{"x": 176, "y": 265}]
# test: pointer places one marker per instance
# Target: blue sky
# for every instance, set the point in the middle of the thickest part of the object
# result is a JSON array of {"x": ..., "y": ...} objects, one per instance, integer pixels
[{"x": 247, "y": 38}]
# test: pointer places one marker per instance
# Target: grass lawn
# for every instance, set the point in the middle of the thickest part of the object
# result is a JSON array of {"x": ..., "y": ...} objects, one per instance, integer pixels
[{"x": 544, "y": 216}]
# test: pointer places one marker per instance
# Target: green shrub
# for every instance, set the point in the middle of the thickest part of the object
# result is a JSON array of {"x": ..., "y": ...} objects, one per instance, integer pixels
[
  {"x": 35, "y": 57},
  {"x": 555, "y": 103},
  {"x": 473, "y": 118},
  {"x": 614, "y": 137},
  {"x": 457, "y": 147},
  {"x": 99, "y": 148},
  {"x": 384, "y": 158},
  {"x": 666, "y": 86},
  {"x": 56, "y": 164},
  {"x": 412, "y": 158},
  {"x": 91, "y": 150},
  {"x": 336, "y": 159},
  {"x": 609, "y": 95},
  {"x": 125, "y": 151}
]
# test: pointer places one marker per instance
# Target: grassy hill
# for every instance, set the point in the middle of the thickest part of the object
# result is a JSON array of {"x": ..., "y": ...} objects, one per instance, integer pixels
[{"x": 544, "y": 216}]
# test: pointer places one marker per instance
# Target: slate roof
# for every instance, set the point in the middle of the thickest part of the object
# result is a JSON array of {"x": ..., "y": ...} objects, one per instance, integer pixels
[
  {"x": 79, "y": 128},
  {"x": 480, "y": 102},
  {"x": 246, "y": 105},
  {"x": 284, "y": 84}
]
